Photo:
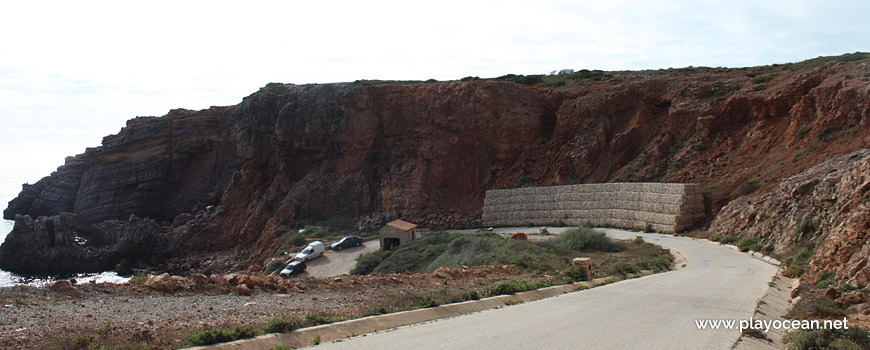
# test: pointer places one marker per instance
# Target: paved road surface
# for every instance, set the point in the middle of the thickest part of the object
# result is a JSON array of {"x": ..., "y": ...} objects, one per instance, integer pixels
[
  {"x": 654, "y": 312},
  {"x": 334, "y": 263}
]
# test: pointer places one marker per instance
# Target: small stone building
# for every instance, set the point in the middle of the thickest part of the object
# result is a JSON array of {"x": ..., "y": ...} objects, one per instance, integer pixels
[{"x": 398, "y": 232}]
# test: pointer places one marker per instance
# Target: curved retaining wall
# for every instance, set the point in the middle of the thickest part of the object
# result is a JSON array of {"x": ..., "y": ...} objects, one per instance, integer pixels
[{"x": 668, "y": 207}]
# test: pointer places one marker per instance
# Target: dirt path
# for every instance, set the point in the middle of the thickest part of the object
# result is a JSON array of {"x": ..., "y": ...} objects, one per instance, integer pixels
[{"x": 334, "y": 263}]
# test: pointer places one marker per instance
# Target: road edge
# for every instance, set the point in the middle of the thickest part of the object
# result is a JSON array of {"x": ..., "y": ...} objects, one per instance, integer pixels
[{"x": 359, "y": 326}]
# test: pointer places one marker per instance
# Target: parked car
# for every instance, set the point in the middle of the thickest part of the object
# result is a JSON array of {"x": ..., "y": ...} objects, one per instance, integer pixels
[
  {"x": 347, "y": 242},
  {"x": 313, "y": 250},
  {"x": 294, "y": 268}
]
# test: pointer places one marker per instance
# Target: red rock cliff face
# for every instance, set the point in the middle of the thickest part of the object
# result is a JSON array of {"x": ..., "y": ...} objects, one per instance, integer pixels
[{"x": 427, "y": 152}]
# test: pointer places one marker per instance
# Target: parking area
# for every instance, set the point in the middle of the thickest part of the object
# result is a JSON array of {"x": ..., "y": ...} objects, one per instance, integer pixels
[{"x": 334, "y": 263}]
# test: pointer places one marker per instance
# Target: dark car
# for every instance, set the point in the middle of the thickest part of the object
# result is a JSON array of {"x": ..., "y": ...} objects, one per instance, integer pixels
[
  {"x": 347, "y": 242},
  {"x": 294, "y": 268}
]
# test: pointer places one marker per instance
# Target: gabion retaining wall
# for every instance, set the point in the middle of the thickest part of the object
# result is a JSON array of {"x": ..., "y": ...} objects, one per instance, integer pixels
[{"x": 668, "y": 207}]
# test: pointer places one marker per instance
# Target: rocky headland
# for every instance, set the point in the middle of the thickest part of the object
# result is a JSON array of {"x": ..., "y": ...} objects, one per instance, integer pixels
[{"x": 177, "y": 191}]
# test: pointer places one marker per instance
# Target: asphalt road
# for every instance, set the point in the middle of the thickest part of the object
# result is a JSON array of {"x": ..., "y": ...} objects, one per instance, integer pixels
[
  {"x": 334, "y": 263},
  {"x": 654, "y": 312}
]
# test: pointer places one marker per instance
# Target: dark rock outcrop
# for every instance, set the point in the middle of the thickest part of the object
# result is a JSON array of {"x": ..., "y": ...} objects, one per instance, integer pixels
[{"x": 52, "y": 244}]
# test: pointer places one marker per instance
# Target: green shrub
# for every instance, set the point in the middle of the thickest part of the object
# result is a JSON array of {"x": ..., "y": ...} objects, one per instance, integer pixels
[
  {"x": 214, "y": 336},
  {"x": 832, "y": 339},
  {"x": 624, "y": 269},
  {"x": 530, "y": 79},
  {"x": 338, "y": 224},
  {"x": 759, "y": 88},
  {"x": 802, "y": 256},
  {"x": 727, "y": 239},
  {"x": 822, "y": 308},
  {"x": 469, "y": 78},
  {"x": 316, "y": 320},
  {"x": 761, "y": 80},
  {"x": 367, "y": 263},
  {"x": 748, "y": 244},
  {"x": 83, "y": 342},
  {"x": 657, "y": 264},
  {"x": 273, "y": 266},
  {"x": 415, "y": 256},
  {"x": 473, "y": 295},
  {"x": 826, "y": 275},
  {"x": 315, "y": 231},
  {"x": 280, "y": 325},
  {"x": 297, "y": 240},
  {"x": 471, "y": 250},
  {"x": 316, "y": 340},
  {"x": 585, "y": 74},
  {"x": 793, "y": 271},
  {"x": 824, "y": 284},
  {"x": 647, "y": 228},
  {"x": 588, "y": 224},
  {"x": 423, "y": 303},
  {"x": 638, "y": 240},
  {"x": 508, "y": 288},
  {"x": 584, "y": 239}
]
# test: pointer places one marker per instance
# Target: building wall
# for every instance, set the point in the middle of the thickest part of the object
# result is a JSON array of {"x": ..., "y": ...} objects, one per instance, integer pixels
[
  {"x": 392, "y": 232},
  {"x": 667, "y": 207}
]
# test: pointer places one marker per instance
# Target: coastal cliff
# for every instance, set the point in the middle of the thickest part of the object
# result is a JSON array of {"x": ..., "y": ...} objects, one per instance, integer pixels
[{"x": 223, "y": 179}]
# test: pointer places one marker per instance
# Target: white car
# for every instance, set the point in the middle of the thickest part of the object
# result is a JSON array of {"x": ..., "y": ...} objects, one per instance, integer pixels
[{"x": 313, "y": 250}]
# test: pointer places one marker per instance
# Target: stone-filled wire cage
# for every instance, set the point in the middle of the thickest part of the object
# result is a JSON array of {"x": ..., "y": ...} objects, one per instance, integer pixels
[{"x": 665, "y": 207}]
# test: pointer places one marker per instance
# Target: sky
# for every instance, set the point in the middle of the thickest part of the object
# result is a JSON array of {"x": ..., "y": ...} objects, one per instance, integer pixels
[{"x": 85, "y": 67}]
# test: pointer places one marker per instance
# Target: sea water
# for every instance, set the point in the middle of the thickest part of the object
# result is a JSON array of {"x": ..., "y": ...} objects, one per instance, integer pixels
[{"x": 27, "y": 156}]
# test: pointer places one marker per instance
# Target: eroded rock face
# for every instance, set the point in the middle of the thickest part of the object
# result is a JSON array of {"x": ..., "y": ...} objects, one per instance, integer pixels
[
  {"x": 428, "y": 152},
  {"x": 828, "y": 204}
]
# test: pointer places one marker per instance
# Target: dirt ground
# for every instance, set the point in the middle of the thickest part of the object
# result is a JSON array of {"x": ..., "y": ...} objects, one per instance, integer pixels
[{"x": 130, "y": 316}]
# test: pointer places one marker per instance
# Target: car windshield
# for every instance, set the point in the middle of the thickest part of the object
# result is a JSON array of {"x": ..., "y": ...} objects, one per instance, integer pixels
[{"x": 307, "y": 250}]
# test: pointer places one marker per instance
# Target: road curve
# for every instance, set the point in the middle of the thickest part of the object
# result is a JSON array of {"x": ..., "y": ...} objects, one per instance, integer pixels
[{"x": 654, "y": 312}]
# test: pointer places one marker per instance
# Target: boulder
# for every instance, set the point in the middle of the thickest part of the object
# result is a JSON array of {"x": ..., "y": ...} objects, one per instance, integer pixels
[
  {"x": 62, "y": 286},
  {"x": 199, "y": 279},
  {"x": 244, "y": 290},
  {"x": 167, "y": 283},
  {"x": 220, "y": 280},
  {"x": 251, "y": 281}
]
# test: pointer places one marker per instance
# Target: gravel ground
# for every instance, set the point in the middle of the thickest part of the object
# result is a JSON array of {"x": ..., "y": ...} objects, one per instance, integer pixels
[{"x": 41, "y": 318}]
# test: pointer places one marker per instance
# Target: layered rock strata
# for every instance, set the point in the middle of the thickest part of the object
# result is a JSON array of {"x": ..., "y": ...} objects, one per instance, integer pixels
[{"x": 427, "y": 152}]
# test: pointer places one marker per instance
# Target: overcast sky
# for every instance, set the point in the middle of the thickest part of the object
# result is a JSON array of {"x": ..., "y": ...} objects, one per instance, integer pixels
[{"x": 88, "y": 66}]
